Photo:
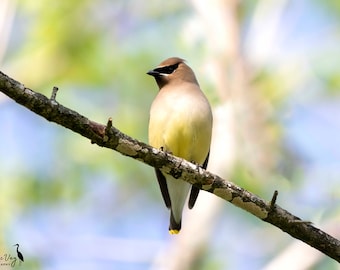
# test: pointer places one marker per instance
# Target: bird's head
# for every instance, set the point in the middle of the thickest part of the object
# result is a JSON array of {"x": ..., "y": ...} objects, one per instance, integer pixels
[{"x": 172, "y": 70}]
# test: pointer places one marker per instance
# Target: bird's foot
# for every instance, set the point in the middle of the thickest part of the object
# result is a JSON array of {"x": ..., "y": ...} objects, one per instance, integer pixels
[
  {"x": 198, "y": 166},
  {"x": 162, "y": 148}
]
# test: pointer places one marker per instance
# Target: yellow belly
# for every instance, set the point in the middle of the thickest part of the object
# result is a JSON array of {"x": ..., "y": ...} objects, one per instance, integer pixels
[{"x": 185, "y": 136}]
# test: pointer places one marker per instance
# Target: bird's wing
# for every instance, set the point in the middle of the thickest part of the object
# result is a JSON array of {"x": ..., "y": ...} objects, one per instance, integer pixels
[
  {"x": 205, "y": 163},
  {"x": 195, "y": 190},
  {"x": 164, "y": 188},
  {"x": 193, "y": 196}
]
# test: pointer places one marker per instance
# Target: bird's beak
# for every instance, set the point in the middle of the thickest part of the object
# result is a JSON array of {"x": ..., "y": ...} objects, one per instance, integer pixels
[{"x": 153, "y": 73}]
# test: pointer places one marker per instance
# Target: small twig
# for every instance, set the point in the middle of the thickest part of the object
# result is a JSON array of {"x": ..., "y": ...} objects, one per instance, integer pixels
[
  {"x": 54, "y": 94},
  {"x": 107, "y": 130},
  {"x": 273, "y": 201}
]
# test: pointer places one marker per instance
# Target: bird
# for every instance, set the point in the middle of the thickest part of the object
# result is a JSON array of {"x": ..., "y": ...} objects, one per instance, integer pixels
[
  {"x": 20, "y": 256},
  {"x": 180, "y": 123}
]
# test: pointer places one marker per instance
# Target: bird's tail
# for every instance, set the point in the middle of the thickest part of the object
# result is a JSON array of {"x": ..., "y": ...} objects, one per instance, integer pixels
[{"x": 174, "y": 227}]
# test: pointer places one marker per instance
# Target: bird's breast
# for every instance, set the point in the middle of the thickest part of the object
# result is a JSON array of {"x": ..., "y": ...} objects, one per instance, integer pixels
[{"x": 181, "y": 123}]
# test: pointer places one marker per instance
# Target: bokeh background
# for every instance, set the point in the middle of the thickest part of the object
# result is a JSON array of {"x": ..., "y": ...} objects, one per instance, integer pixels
[{"x": 271, "y": 70}]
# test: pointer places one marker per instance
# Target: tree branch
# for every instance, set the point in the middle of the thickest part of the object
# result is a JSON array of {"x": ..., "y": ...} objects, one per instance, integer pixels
[{"x": 110, "y": 137}]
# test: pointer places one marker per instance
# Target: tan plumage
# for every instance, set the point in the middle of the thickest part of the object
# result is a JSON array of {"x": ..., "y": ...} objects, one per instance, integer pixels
[{"x": 180, "y": 123}]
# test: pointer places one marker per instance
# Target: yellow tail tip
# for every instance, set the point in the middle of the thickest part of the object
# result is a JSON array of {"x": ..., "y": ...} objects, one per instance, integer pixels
[{"x": 174, "y": 231}]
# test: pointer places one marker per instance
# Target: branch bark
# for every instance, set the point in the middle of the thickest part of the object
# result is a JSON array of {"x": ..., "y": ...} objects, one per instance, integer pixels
[{"x": 112, "y": 138}]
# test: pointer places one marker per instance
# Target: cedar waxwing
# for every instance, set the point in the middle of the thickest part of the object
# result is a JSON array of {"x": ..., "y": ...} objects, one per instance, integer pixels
[{"x": 181, "y": 124}]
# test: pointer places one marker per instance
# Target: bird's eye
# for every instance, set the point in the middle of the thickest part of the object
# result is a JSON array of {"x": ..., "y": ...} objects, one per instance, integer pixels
[{"x": 167, "y": 69}]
